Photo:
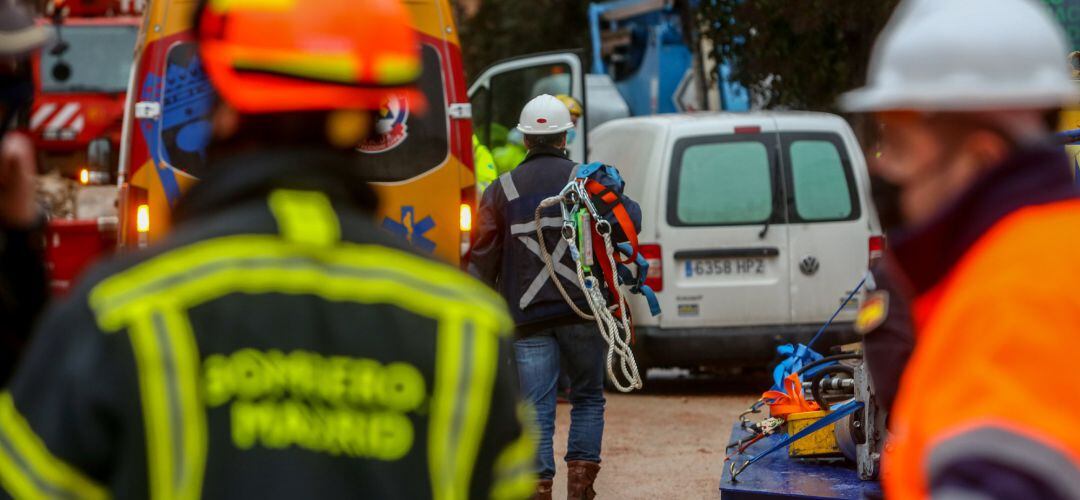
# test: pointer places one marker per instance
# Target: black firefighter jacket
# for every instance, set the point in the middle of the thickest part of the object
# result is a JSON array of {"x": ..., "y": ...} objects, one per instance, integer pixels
[
  {"x": 506, "y": 253},
  {"x": 276, "y": 346}
]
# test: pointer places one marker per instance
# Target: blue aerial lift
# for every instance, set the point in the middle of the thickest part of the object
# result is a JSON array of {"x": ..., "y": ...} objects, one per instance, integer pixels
[{"x": 653, "y": 52}]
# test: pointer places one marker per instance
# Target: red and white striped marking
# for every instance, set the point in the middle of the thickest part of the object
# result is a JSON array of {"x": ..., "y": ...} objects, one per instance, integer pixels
[{"x": 52, "y": 118}]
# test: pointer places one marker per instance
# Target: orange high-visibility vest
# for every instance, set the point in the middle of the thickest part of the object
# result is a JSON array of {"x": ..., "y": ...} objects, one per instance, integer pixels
[{"x": 992, "y": 375}]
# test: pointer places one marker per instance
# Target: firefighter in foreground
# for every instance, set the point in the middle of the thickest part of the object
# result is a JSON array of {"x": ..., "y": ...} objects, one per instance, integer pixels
[
  {"x": 23, "y": 286},
  {"x": 987, "y": 405},
  {"x": 277, "y": 345},
  {"x": 506, "y": 254}
]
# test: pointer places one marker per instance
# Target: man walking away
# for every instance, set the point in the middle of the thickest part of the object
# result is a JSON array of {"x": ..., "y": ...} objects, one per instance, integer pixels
[{"x": 507, "y": 255}]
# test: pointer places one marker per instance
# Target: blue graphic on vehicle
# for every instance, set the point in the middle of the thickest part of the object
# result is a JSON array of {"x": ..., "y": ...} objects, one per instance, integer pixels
[
  {"x": 150, "y": 129},
  {"x": 179, "y": 136},
  {"x": 411, "y": 230}
]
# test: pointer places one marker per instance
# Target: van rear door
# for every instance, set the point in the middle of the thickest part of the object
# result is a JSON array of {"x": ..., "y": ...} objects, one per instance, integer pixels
[
  {"x": 722, "y": 226},
  {"x": 829, "y": 222},
  {"x": 501, "y": 90}
]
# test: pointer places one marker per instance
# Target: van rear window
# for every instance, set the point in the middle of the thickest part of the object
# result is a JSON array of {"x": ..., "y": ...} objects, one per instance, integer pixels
[
  {"x": 780, "y": 178},
  {"x": 819, "y": 178},
  {"x": 821, "y": 189},
  {"x": 723, "y": 183}
]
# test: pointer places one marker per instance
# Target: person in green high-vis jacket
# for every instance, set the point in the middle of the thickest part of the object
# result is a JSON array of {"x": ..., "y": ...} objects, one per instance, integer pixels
[{"x": 486, "y": 173}]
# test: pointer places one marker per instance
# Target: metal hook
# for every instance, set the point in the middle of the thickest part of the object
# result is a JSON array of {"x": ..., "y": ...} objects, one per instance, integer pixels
[{"x": 603, "y": 227}]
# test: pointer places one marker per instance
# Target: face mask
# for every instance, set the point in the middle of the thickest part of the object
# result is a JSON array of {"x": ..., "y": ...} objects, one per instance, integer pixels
[{"x": 886, "y": 197}]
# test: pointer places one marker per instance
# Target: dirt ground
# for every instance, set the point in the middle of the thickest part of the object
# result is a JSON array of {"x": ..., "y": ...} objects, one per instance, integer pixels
[{"x": 666, "y": 442}]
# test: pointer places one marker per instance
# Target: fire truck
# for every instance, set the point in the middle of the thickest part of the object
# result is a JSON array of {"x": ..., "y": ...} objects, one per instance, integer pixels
[{"x": 80, "y": 84}]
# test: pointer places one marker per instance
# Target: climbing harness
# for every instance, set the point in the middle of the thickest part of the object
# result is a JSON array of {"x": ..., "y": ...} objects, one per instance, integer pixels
[{"x": 588, "y": 235}]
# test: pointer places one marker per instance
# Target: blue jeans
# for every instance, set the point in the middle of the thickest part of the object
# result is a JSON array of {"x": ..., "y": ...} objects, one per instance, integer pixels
[{"x": 538, "y": 364}]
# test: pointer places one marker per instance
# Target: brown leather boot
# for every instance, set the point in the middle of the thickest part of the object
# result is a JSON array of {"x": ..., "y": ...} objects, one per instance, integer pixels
[
  {"x": 543, "y": 490},
  {"x": 579, "y": 480}
]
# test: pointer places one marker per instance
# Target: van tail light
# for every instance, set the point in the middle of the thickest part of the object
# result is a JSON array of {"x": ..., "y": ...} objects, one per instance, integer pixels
[
  {"x": 655, "y": 257},
  {"x": 877, "y": 249},
  {"x": 134, "y": 217},
  {"x": 465, "y": 218},
  {"x": 466, "y": 221},
  {"x": 142, "y": 218},
  {"x": 748, "y": 129}
]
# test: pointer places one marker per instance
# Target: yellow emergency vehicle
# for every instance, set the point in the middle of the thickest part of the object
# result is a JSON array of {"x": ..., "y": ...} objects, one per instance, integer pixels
[{"x": 420, "y": 163}]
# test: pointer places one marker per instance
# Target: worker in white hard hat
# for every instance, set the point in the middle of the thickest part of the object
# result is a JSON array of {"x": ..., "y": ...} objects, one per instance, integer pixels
[
  {"x": 506, "y": 254},
  {"x": 966, "y": 92}
]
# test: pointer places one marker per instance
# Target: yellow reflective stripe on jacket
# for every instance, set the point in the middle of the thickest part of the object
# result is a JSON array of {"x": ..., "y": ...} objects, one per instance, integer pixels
[
  {"x": 151, "y": 300},
  {"x": 29, "y": 470},
  {"x": 264, "y": 263},
  {"x": 515, "y": 467},
  {"x": 168, "y": 363},
  {"x": 305, "y": 216},
  {"x": 466, "y": 363}
]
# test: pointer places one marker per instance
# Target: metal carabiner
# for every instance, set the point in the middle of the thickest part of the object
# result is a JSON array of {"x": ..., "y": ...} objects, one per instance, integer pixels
[{"x": 603, "y": 227}]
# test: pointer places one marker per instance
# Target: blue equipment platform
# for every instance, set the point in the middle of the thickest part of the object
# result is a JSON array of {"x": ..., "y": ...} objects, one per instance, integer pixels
[{"x": 777, "y": 476}]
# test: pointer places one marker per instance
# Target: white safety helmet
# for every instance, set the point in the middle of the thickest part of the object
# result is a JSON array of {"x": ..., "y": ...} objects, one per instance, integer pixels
[
  {"x": 544, "y": 115},
  {"x": 967, "y": 55}
]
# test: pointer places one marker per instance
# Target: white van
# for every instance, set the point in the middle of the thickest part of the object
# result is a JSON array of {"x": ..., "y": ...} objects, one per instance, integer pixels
[{"x": 757, "y": 227}]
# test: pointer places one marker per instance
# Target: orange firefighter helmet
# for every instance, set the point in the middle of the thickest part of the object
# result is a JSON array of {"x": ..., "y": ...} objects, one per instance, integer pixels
[{"x": 271, "y": 56}]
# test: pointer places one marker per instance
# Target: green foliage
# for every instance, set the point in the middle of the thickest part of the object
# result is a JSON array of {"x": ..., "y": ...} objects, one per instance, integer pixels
[
  {"x": 508, "y": 28},
  {"x": 795, "y": 53}
]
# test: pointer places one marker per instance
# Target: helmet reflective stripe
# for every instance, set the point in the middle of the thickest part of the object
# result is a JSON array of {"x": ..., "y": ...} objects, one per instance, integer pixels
[
  {"x": 545, "y": 115},
  {"x": 963, "y": 55}
]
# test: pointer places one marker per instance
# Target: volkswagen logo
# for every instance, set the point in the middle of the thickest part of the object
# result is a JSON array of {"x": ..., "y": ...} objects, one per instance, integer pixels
[{"x": 809, "y": 265}]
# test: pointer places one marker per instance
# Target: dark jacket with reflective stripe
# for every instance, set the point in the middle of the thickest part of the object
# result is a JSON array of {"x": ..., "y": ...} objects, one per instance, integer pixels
[
  {"x": 277, "y": 345},
  {"x": 505, "y": 253}
]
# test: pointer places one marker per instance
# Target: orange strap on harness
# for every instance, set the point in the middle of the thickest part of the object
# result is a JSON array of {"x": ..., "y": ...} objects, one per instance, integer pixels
[{"x": 611, "y": 199}]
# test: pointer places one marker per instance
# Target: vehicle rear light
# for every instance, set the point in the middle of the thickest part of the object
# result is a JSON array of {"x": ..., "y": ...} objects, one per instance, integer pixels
[
  {"x": 465, "y": 221},
  {"x": 142, "y": 219},
  {"x": 655, "y": 257},
  {"x": 84, "y": 176},
  {"x": 465, "y": 218},
  {"x": 748, "y": 129},
  {"x": 877, "y": 248},
  {"x": 131, "y": 198}
]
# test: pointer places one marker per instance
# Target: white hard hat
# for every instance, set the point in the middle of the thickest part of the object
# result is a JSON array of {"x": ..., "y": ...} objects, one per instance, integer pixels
[
  {"x": 544, "y": 115},
  {"x": 967, "y": 55}
]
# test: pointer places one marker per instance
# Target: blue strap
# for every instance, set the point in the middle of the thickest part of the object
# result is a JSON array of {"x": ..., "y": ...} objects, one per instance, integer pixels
[
  {"x": 637, "y": 282},
  {"x": 794, "y": 358},
  {"x": 586, "y": 171},
  {"x": 837, "y": 313},
  {"x": 650, "y": 296},
  {"x": 590, "y": 170},
  {"x": 838, "y": 413}
]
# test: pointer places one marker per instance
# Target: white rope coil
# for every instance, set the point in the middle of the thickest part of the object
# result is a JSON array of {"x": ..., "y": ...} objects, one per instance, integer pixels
[{"x": 615, "y": 331}]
